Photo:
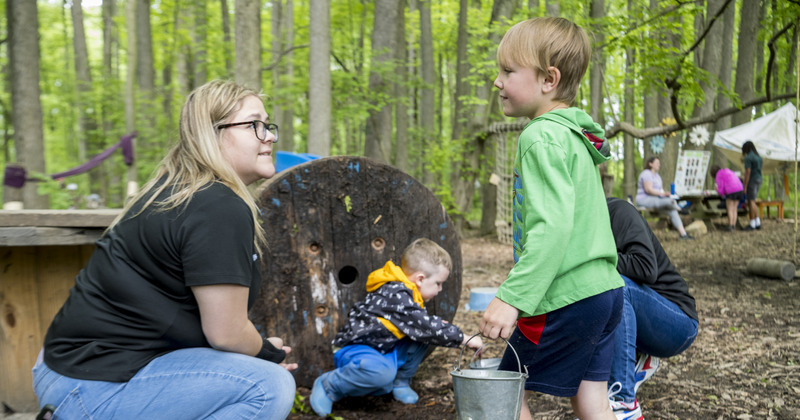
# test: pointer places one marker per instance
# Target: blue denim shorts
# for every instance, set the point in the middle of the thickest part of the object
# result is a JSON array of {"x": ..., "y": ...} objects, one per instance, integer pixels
[{"x": 576, "y": 344}]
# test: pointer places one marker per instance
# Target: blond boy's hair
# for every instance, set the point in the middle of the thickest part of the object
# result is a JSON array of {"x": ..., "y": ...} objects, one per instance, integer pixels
[
  {"x": 543, "y": 42},
  {"x": 426, "y": 256}
]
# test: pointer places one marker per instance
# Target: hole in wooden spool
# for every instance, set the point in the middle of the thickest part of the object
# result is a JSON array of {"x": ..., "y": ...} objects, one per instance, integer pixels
[
  {"x": 320, "y": 311},
  {"x": 348, "y": 274},
  {"x": 314, "y": 247},
  {"x": 378, "y": 244}
]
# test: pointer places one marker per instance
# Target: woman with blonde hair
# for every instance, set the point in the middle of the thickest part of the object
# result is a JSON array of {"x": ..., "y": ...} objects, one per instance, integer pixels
[{"x": 156, "y": 325}]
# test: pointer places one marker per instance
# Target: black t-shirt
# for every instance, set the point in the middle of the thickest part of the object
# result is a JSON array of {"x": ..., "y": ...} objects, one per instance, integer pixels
[
  {"x": 641, "y": 258},
  {"x": 132, "y": 302}
]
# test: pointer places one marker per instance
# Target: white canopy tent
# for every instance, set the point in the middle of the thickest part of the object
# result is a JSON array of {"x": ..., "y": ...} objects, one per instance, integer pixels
[{"x": 774, "y": 136}]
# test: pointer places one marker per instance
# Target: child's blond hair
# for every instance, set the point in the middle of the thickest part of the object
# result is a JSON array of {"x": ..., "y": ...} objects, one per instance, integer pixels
[
  {"x": 425, "y": 255},
  {"x": 543, "y": 42}
]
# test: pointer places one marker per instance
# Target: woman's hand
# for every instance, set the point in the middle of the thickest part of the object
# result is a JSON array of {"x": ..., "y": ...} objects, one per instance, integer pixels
[
  {"x": 499, "y": 319},
  {"x": 288, "y": 366}
]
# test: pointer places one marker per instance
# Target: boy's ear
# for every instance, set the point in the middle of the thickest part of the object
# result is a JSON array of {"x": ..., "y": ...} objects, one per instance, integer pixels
[{"x": 551, "y": 79}]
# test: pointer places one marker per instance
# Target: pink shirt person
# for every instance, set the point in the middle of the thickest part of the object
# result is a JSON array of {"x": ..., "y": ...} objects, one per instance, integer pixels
[{"x": 727, "y": 182}]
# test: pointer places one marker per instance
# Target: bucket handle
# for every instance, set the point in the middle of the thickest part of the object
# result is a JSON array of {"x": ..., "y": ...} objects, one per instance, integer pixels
[{"x": 461, "y": 355}]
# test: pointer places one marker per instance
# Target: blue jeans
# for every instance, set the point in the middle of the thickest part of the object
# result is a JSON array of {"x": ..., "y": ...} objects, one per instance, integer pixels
[
  {"x": 362, "y": 370},
  {"x": 650, "y": 324},
  {"x": 195, "y": 383}
]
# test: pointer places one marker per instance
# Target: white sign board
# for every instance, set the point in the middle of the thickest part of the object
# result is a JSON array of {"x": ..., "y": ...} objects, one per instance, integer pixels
[{"x": 690, "y": 175}]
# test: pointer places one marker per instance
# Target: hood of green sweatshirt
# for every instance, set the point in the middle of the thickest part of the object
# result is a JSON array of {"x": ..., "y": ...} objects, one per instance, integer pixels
[{"x": 591, "y": 133}]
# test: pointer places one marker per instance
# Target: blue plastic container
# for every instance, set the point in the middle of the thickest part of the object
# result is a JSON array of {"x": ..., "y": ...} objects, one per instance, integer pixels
[
  {"x": 479, "y": 298},
  {"x": 286, "y": 160}
]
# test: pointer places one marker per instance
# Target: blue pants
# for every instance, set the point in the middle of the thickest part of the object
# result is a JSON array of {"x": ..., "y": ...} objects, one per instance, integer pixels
[
  {"x": 195, "y": 383},
  {"x": 650, "y": 324},
  {"x": 362, "y": 370}
]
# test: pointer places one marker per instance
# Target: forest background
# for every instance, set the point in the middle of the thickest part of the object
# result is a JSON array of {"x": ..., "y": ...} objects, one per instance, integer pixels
[{"x": 406, "y": 82}]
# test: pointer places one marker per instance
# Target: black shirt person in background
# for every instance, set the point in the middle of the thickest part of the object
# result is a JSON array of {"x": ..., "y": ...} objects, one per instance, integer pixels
[{"x": 659, "y": 318}]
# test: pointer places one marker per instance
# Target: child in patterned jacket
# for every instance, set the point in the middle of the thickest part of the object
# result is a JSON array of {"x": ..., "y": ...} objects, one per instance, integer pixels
[{"x": 381, "y": 345}]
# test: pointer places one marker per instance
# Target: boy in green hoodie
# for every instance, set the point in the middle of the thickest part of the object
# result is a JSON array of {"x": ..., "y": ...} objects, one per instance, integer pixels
[
  {"x": 563, "y": 293},
  {"x": 386, "y": 335}
]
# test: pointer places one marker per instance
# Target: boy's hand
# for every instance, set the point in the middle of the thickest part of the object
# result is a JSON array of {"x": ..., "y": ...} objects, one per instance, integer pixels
[
  {"x": 498, "y": 319},
  {"x": 474, "y": 343}
]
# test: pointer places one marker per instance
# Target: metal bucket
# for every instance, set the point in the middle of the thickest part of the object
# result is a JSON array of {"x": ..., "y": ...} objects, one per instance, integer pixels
[{"x": 488, "y": 394}]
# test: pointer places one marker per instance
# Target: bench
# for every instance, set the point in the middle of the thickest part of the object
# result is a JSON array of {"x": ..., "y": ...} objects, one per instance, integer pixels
[{"x": 769, "y": 204}]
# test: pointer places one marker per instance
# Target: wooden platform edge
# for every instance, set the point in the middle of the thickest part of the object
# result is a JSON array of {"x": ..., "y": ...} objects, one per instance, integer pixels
[{"x": 58, "y": 218}]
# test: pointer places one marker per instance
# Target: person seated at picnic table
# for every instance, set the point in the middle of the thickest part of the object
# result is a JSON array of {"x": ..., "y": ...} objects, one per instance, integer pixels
[
  {"x": 650, "y": 194},
  {"x": 157, "y": 324},
  {"x": 659, "y": 317},
  {"x": 729, "y": 187}
]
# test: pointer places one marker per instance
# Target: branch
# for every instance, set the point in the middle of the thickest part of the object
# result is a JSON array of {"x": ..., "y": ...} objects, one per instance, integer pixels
[
  {"x": 280, "y": 56},
  {"x": 646, "y": 22},
  {"x": 623, "y": 127},
  {"x": 772, "y": 48}
]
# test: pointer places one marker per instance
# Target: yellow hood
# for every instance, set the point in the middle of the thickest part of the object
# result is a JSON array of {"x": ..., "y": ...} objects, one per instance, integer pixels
[{"x": 391, "y": 272}]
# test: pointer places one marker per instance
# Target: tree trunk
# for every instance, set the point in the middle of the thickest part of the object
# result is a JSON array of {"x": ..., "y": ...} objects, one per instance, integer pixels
[
  {"x": 427, "y": 107},
  {"x": 114, "y": 196},
  {"x": 248, "y": 43},
  {"x": 226, "y": 36},
  {"x": 87, "y": 124},
  {"x": 288, "y": 112},
  {"x": 598, "y": 65},
  {"x": 130, "y": 94},
  {"x": 745, "y": 63},
  {"x": 145, "y": 78},
  {"x": 319, "y": 78},
  {"x": 725, "y": 75},
  {"x": 485, "y": 155},
  {"x": 402, "y": 92},
  {"x": 460, "y": 191},
  {"x": 199, "y": 35},
  {"x": 628, "y": 141},
  {"x": 26, "y": 107},
  {"x": 378, "y": 130}
]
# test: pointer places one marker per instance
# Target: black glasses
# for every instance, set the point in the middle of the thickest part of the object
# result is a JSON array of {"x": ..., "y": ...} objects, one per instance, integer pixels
[{"x": 260, "y": 128}]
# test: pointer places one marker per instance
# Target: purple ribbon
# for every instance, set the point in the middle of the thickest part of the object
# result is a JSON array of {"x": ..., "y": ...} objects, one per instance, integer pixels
[{"x": 15, "y": 176}]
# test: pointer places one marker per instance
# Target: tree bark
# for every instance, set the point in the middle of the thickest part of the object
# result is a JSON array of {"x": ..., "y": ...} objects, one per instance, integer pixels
[
  {"x": 319, "y": 79},
  {"x": 26, "y": 107},
  {"x": 427, "y": 108},
  {"x": 628, "y": 141},
  {"x": 402, "y": 92},
  {"x": 130, "y": 94},
  {"x": 745, "y": 63},
  {"x": 226, "y": 36},
  {"x": 248, "y": 43},
  {"x": 87, "y": 124},
  {"x": 378, "y": 131}
]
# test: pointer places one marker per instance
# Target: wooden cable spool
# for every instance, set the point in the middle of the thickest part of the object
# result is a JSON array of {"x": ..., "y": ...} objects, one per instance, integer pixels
[{"x": 329, "y": 223}]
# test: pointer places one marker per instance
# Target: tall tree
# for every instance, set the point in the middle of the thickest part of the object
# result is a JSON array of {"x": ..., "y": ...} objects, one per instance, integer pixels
[
  {"x": 402, "y": 91},
  {"x": 26, "y": 107},
  {"x": 378, "y": 131},
  {"x": 725, "y": 74},
  {"x": 87, "y": 124},
  {"x": 745, "y": 63},
  {"x": 427, "y": 106},
  {"x": 130, "y": 94},
  {"x": 248, "y": 43},
  {"x": 319, "y": 78}
]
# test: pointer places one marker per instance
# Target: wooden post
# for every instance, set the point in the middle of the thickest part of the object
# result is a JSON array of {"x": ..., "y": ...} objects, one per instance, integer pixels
[{"x": 771, "y": 268}]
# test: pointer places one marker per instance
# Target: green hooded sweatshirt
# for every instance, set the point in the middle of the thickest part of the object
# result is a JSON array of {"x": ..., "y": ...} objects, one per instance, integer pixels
[{"x": 564, "y": 250}]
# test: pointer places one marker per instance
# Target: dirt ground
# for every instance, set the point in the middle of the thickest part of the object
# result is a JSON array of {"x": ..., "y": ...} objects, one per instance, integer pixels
[{"x": 745, "y": 363}]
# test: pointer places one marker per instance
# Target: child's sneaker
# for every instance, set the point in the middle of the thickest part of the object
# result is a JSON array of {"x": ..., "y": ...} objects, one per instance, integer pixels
[
  {"x": 626, "y": 411},
  {"x": 320, "y": 403},
  {"x": 646, "y": 366},
  {"x": 405, "y": 395}
]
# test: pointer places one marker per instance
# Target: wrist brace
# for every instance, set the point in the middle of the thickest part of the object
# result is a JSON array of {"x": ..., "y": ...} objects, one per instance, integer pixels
[{"x": 271, "y": 353}]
